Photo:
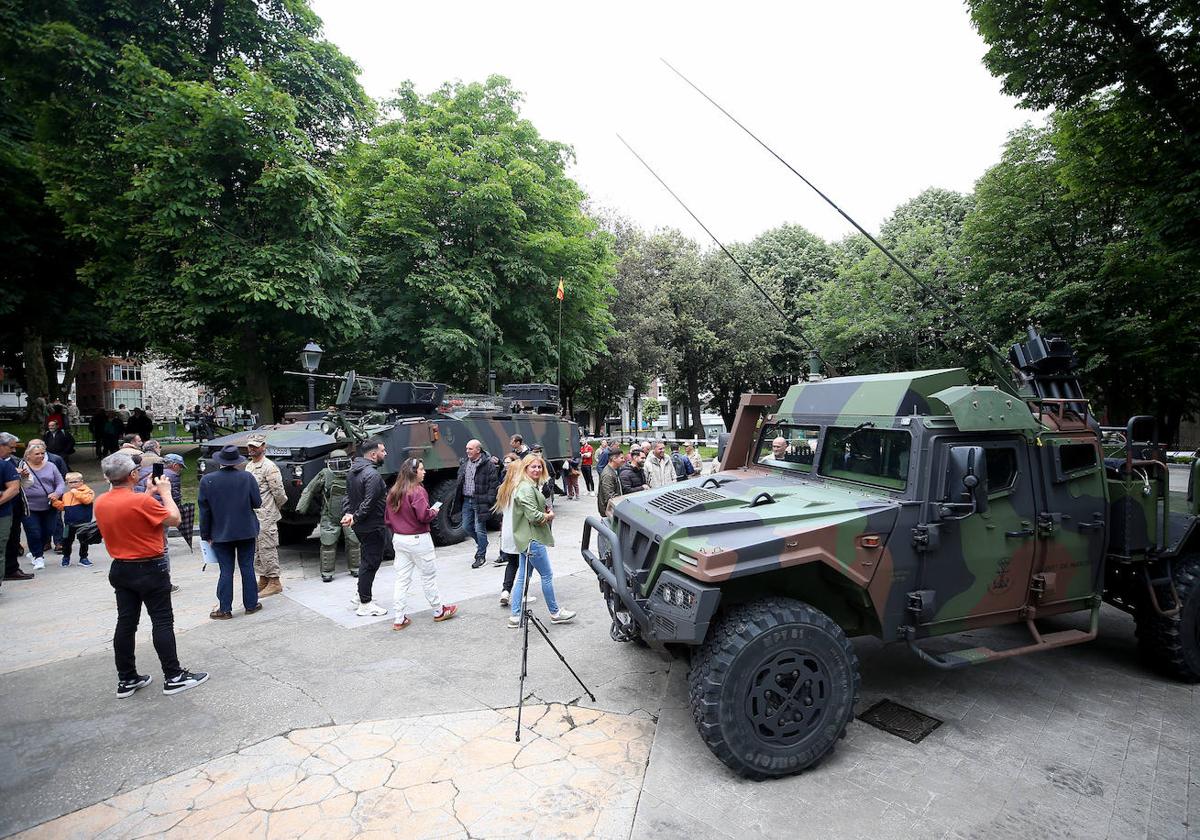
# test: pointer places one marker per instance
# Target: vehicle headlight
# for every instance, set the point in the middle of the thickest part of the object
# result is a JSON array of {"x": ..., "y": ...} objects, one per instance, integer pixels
[
  {"x": 683, "y": 558},
  {"x": 675, "y": 595},
  {"x": 298, "y": 471},
  {"x": 202, "y": 466}
]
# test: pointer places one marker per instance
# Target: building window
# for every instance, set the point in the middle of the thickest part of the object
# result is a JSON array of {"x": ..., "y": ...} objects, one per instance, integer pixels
[
  {"x": 129, "y": 397},
  {"x": 123, "y": 373}
]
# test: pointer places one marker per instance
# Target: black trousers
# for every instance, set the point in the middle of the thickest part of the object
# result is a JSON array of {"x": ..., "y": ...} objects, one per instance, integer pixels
[
  {"x": 586, "y": 469},
  {"x": 376, "y": 548},
  {"x": 510, "y": 571},
  {"x": 12, "y": 552},
  {"x": 135, "y": 584},
  {"x": 69, "y": 542}
]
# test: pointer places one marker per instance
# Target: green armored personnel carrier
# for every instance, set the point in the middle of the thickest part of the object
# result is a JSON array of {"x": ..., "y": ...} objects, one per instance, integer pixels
[
  {"x": 902, "y": 506},
  {"x": 414, "y": 419}
]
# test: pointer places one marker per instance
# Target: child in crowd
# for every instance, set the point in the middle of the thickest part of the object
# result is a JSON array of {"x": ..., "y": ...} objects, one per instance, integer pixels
[{"x": 76, "y": 507}]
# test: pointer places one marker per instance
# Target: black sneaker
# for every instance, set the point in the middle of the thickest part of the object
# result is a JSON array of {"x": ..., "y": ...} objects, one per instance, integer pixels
[
  {"x": 183, "y": 681},
  {"x": 125, "y": 688},
  {"x": 479, "y": 561}
]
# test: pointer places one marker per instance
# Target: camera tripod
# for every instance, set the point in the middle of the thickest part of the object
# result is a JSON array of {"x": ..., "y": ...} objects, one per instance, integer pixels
[{"x": 528, "y": 618}]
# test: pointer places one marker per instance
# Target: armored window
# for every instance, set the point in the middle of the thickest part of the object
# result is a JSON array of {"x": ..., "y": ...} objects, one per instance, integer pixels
[
  {"x": 1076, "y": 456},
  {"x": 788, "y": 447},
  {"x": 867, "y": 455},
  {"x": 1001, "y": 468}
]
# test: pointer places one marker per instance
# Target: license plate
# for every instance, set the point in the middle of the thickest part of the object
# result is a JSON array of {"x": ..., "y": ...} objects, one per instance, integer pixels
[{"x": 278, "y": 453}]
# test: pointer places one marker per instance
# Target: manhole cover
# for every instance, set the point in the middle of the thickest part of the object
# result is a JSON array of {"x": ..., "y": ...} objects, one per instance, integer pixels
[{"x": 892, "y": 717}]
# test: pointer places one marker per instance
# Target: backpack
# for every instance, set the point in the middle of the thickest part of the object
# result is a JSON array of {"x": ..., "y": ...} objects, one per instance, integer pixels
[{"x": 681, "y": 466}]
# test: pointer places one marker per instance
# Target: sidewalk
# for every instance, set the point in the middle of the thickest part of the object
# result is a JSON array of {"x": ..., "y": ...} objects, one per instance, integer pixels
[{"x": 309, "y": 727}]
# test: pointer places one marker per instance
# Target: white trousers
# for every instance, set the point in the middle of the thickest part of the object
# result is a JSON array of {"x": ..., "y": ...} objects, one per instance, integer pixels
[{"x": 414, "y": 551}]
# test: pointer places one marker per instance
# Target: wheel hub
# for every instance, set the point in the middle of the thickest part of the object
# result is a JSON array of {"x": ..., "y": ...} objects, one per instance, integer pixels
[{"x": 787, "y": 697}]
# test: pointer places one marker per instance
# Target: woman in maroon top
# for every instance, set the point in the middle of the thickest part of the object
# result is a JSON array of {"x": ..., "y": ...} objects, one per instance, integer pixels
[{"x": 408, "y": 514}]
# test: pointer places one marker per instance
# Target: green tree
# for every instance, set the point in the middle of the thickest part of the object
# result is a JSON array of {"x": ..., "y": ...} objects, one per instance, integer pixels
[
  {"x": 464, "y": 221},
  {"x": 873, "y": 318},
  {"x": 185, "y": 147},
  {"x": 1070, "y": 261},
  {"x": 1122, "y": 78}
]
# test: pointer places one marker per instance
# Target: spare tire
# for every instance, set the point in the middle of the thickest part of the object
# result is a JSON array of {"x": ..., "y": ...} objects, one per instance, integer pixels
[{"x": 447, "y": 528}]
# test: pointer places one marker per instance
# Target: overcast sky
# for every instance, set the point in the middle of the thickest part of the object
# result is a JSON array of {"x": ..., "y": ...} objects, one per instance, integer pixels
[{"x": 872, "y": 101}]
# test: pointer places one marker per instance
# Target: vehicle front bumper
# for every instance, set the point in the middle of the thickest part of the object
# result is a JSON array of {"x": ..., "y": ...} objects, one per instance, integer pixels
[{"x": 678, "y": 610}]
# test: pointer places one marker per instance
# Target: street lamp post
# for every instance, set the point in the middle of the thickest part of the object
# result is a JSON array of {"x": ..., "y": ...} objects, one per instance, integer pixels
[{"x": 310, "y": 360}]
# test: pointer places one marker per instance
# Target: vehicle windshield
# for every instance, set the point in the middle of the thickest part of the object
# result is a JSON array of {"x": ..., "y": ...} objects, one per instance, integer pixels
[
  {"x": 868, "y": 455},
  {"x": 788, "y": 447}
]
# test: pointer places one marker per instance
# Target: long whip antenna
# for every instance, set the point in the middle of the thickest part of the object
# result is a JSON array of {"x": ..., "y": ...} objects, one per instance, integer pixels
[
  {"x": 895, "y": 260},
  {"x": 788, "y": 320}
]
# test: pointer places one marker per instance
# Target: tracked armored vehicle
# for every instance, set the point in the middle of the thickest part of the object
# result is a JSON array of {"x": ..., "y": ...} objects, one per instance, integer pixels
[
  {"x": 414, "y": 419},
  {"x": 902, "y": 506}
]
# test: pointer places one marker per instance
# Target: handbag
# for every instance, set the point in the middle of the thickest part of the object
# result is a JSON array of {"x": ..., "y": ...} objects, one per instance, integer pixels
[{"x": 88, "y": 533}]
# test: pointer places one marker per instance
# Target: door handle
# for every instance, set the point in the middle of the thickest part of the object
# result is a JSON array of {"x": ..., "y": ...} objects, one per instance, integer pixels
[{"x": 1024, "y": 532}]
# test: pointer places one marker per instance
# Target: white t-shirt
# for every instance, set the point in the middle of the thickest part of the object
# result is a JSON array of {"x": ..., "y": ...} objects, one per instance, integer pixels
[{"x": 508, "y": 543}]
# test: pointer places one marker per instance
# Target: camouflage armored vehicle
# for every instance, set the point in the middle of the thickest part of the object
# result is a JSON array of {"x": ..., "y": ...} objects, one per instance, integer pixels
[
  {"x": 414, "y": 419},
  {"x": 902, "y": 506}
]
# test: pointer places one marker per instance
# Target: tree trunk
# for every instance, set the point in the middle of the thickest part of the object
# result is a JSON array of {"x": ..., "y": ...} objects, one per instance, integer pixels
[
  {"x": 73, "y": 359},
  {"x": 693, "y": 401},
  {"x": 34, "y": 375},
  {"x": 258, "y": 385}
]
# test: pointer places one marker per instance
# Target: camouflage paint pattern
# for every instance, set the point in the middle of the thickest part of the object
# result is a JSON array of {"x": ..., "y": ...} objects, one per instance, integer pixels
[
  {"x": 439, "y": 439},
  {"x": 860, "y": 551}
]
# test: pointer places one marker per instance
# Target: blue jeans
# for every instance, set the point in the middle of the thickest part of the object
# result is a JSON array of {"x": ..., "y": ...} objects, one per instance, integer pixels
[
  {"x": 225, "y": 551},
  {"x": 39, "y": 527},
  {"x": 537, "y": 557},
  {"x": 474, "y": 522}
]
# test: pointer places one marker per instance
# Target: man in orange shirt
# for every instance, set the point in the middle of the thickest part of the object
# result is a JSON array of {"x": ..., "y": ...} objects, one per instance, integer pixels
[{"x": 131, "y": 525}]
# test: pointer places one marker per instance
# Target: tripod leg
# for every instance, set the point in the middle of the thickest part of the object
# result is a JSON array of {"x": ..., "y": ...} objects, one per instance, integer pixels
[
  {"x": 537, "y": 622},
  {"x": 525, "y": 616}
]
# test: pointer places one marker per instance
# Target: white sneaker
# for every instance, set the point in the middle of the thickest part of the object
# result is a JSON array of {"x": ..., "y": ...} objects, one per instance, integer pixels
[
  {"x": 370, "y": 609},
  {"x": 504, "y": 598},
  {"x": 355, "y": 602},
  {"x": 38, "y": 563},
  {"x": 514, "y": 621},
  {"x": 562, "y": 616}
]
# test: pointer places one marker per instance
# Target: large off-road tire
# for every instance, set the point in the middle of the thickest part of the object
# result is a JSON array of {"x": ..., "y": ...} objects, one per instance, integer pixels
[
  {"x": 774, "y": 687},
  {"x": 447, "y": 529},
  {"x": 1172, "y": 645},
  {"x": 291, "y": 533}
]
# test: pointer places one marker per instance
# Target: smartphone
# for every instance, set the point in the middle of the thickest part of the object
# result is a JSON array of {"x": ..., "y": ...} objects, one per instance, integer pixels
[
  {"x": 435, "y": 506},
  {"x": 156, "y": 470}
]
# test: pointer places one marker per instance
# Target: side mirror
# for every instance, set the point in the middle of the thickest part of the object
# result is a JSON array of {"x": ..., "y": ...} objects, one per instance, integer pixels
[
  {"x": 966, "y": 480},
  {"x": 722, "y": 442}
]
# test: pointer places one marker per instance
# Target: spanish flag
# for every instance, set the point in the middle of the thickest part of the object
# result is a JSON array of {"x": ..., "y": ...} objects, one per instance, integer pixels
[{"x": 560, "y": 294}]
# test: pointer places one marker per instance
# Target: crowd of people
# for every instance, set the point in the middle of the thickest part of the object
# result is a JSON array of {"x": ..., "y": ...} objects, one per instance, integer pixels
[{"x": 239, "y": 506}]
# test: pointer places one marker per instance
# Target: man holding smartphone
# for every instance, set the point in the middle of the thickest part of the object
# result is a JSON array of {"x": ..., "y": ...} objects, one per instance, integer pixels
[
  {"x": 362, "y": 509},
  {"x": 131, "y": 526}
]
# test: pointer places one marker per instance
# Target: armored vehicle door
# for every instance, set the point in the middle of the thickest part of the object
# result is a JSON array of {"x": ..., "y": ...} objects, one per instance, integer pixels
[
  {"x": 980, "y": 546},
  {"x": 1071, "y": 522}
]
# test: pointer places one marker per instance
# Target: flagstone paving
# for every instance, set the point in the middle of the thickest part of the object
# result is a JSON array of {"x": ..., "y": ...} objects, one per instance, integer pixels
[{"x": 575, "y": 773}]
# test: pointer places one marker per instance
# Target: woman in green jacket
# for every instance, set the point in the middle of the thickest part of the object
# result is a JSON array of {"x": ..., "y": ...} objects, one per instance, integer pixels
[{"x": 520, "y": 495}]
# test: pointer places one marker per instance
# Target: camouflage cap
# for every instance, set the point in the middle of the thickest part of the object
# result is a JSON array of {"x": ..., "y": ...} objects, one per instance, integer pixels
[{"x": 256, "y": 440}]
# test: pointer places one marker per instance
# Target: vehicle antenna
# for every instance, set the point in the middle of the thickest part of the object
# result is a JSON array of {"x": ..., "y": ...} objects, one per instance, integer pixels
[
  {"x": 995, "y": 353},
  {"x": 789, "y": 321}
]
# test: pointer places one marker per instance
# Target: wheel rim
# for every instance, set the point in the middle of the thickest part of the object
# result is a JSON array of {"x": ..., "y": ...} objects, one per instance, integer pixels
[{"x": 787, "y": 697}]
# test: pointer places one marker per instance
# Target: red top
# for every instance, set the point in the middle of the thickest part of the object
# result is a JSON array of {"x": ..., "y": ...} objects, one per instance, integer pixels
[
  {"x": 130, "y": 524},
  {"x": 414, "y": 515},
  {"x": 585, "y": 452}
]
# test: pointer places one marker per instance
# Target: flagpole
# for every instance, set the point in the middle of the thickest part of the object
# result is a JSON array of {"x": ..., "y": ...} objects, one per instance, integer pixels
[{"x": 562, "y": 404}]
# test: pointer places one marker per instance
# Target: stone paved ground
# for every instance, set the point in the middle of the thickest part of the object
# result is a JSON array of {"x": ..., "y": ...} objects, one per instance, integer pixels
[{"x": 1081, "y": 742}]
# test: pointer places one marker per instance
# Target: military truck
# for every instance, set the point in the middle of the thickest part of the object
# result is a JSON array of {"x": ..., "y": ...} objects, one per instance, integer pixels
[
  {"x": 902, "y": 506},
  {"x": 415, "y": 419}
]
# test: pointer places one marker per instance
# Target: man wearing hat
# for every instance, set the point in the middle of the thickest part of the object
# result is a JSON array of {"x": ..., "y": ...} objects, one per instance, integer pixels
[
  {"x": 327, "y": 491},
  {"x": 228, "y": 500},
  {"x": 274, "y": 497}
]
